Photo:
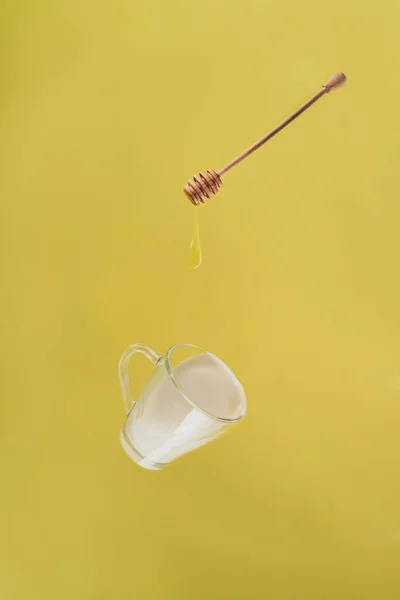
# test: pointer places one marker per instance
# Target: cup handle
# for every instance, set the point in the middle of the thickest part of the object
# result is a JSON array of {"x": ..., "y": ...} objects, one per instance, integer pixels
[{"x": 123, "y": 374}]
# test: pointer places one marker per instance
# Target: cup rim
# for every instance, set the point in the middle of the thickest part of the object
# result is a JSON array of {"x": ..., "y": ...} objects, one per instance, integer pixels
[{"x": 180, "y": 390}]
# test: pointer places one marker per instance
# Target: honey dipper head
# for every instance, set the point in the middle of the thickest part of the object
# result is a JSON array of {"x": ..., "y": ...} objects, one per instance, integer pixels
[{"x": 202, "y": 187}]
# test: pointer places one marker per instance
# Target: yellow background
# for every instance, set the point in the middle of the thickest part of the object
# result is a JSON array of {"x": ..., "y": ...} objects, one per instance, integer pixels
[{"x": 106, "y": 108}]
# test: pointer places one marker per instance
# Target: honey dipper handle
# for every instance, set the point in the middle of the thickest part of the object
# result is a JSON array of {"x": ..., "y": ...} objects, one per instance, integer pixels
[{"x": 337, "y": 80}]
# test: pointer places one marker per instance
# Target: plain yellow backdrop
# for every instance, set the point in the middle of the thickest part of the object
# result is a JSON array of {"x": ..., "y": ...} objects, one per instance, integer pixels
[{"x": 106, "y": 108}]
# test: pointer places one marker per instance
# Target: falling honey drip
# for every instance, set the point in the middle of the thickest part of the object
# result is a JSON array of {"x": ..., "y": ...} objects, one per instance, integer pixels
[{"x": 194, "y": 253}]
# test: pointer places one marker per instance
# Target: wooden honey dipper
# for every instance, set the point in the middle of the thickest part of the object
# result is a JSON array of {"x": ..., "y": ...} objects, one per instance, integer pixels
[{"x": 203, "y": 186}]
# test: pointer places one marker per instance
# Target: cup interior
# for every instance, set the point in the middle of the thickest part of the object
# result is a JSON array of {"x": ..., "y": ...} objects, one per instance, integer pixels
[{"x": 206, "y": 382}]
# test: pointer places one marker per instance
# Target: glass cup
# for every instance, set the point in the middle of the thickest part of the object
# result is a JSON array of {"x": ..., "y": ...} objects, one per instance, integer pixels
[{"x": 190, "y": 398}]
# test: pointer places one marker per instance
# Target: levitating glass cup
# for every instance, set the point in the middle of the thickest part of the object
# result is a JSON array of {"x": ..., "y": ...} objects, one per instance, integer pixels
[{"x": 191, "y": 398}]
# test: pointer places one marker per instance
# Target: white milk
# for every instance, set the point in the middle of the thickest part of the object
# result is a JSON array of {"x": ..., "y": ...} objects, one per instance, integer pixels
[{"x": 163, "y": 424}]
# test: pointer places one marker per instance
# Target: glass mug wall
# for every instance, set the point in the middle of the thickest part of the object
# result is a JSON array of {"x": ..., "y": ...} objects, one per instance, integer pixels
[{"x": 190, "y": 398}]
